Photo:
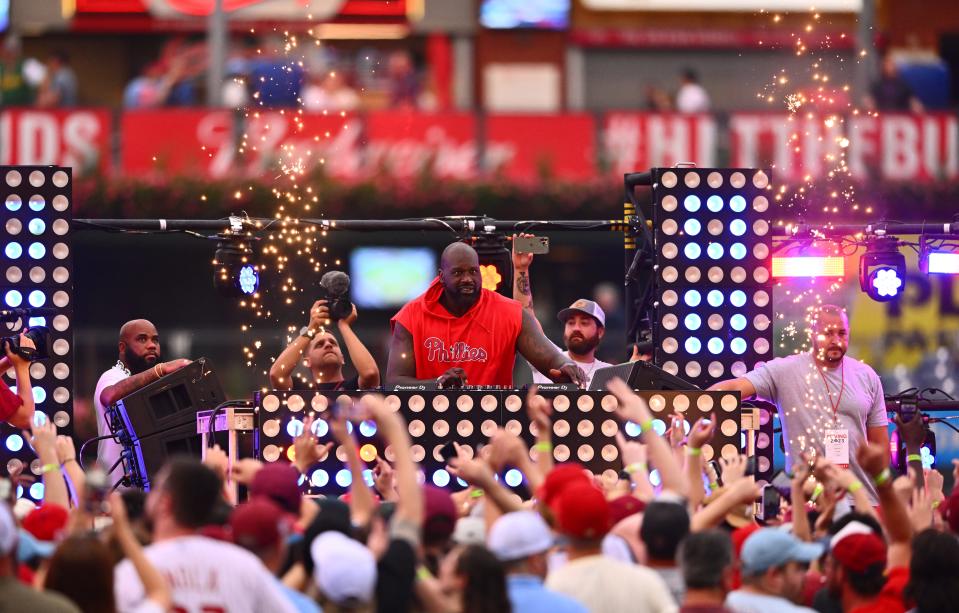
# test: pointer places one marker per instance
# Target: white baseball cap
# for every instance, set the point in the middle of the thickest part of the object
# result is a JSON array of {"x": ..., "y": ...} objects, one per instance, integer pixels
[
  {"x": 470, "y": 531},
  {"x": 518, "y": 535},
  {"x": 344, "y": 568},
  {"x": 587, "y": 307}
]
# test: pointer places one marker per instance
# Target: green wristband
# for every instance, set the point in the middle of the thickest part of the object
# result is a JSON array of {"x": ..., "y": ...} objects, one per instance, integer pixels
[
  {"x": 49, "y": 468},
  {"x": 854, "y": 487},
  {"x": 693, "y": 451},
  {"x": 635, "y": 467},
  {"x": 543, "y": 446},
  {"x": 646, "y": 426},
  {"x": 883, "y": 478},
  {"x": 914, "y": 457}
]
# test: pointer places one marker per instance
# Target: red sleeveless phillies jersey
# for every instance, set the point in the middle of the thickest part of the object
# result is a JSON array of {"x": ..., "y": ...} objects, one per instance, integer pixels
[{"x": 482, "y": 341}]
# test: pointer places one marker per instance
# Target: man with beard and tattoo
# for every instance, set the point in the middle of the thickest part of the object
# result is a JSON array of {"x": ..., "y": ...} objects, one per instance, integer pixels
[
  {"x": 827, "y": 401},
  {"x": 584, "y": 323},
  {"x": 139, "y": 365},
  {"x": 457, "y": 333}
]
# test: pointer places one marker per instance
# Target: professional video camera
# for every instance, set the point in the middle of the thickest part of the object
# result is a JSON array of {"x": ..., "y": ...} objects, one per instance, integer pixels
[{"x": 335, "y": 289}]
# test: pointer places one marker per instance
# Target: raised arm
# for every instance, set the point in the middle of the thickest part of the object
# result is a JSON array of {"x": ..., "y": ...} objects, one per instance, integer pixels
[
  {"x": 409, "y": 507},
  {"x": 633, "y": 408},
  {"x": 22, "y": 417},
  {"x": 363, "y": 362},
  {"x": 874, "y": 460},
  {"x": 124, "y": 388},
  {"x": 282, "y": 370},
  {"x": 44, "y": 442},
  {"x": 522, "y": 290},
  {"x": 543, "y": 355}
]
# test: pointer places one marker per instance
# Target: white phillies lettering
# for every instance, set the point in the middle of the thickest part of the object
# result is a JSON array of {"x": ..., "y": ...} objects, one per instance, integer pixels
[{"x": 459, "y": 352}]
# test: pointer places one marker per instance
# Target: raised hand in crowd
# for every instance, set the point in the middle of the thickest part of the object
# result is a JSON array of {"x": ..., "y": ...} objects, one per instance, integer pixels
[
  {"x": 43, "y": 438},
  {"x": 634, "y": 457}
]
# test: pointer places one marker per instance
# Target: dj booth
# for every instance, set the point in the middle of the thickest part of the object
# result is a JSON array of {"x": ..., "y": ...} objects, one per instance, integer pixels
[{"x": 186, "y": 411}]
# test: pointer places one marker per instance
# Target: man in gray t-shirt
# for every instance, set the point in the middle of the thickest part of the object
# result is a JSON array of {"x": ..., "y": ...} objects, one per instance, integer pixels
[{"x": 822, "y": 391}]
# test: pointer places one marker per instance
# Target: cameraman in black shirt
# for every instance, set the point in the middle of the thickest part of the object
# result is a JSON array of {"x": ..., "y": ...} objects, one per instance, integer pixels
[{"x": 323, "y": 355}]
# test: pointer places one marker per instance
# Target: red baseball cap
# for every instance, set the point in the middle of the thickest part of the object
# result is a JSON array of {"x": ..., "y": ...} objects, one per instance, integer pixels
[
  {"x": 258, "y": 524},
  {"x": 950, "y": 511},
  {"x": 857, "y": 552},
  {"x": 278, "y": 482},
  {"x": 582, "y": 512},
  {"x": 46, "y": 522},
  {"x": 558, "y": 479}
]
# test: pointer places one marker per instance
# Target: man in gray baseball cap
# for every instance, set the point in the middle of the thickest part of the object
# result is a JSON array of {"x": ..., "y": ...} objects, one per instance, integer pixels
[{"x": 774, "y": 566}]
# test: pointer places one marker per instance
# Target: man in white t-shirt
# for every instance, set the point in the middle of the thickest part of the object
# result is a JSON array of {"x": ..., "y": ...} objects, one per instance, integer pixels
[
  {"x": 204, "y": 574},
  {"x": 691, "y": 96},
  {"x": 138, "y": 365},
  {"x": 584, "y": 322}
]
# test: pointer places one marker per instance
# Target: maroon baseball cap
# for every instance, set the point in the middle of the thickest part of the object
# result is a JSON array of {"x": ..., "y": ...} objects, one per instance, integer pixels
[
  {"x": 439, "y": 515},
  {"x": 582, "y": 512},
  {"x": 278, "y": 482},
  {"x": 622, "y": 507},
  {"x": 258, "y": 524}
]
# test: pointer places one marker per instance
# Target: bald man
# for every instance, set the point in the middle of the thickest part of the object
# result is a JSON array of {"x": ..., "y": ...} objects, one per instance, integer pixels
[
  {"x": 826, "y": 401},
  {"x": 457, "y": 333},
  {"x": 139, "y": 365}
]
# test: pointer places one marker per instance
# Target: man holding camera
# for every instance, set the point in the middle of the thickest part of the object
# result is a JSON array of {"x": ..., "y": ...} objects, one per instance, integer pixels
[
  {"x": 139, "y": 365},
  {"x": 457, "y": 333},
  {"x": 584, "y": 322},
  {"x": 324, "y": 357},
  {"x": 17, "y": 409}
]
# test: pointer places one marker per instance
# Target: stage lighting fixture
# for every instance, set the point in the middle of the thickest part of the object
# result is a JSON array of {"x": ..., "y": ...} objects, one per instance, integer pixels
[
  {"x": 942, "y": 259},
  {"x": 496, "y": 263},
  {"x": 882, "y": 269},
  {"x": 234, "y": 272},
  {"x": 719, "y": 277},
  {"x": 808, "y": 266},
  {"x": 36, "y": 286}
]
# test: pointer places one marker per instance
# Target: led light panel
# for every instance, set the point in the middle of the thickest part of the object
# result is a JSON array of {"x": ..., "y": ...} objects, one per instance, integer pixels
[
  {"x": 36, "y": 271},
  {"x": 584, "y": 428},
  {"x": 713, "y": 288}
]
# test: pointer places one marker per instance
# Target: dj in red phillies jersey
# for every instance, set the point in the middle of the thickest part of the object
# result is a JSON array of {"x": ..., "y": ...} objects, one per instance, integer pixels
[{"x": 457, "y": 333}]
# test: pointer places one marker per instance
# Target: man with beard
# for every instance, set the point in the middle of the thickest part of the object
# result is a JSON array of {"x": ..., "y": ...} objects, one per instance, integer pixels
[
  {"x": 324, "y": 357},
  {"x": 457, "y": 333},
  {"x": 139, "y": 365},
  {"x": 827, "y": 401},
  {"x": 584, "y": 322}
]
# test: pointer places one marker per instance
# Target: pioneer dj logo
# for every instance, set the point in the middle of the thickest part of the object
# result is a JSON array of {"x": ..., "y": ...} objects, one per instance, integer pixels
[{"x": 459, "y": 352}]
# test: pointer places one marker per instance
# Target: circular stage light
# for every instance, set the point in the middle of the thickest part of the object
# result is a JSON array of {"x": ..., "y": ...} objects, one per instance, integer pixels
[
  {"x": 692, "y": 227},
  {"x": 737, "y": 298},
  {"x": 693, "y": 321},
  {"x": 513, "y": 477},
  {"x": 13, "y": 298},
  {"x": 714, "y": 203},
  {"x": 715, "y": 345},
  {"x": 692, "y": 203},
  {"x": 692, "y": 298},
  {"x": 715, "y": 298},
  {"x": 692, "y": 251},
  {"x": 441, "y": 478},
  {"x": 737, "y": 227},
  {"x": 693, "y": 345},
  {"x": 737, "y": 322},
  {"x": 738, "y": 345},
  {"x": 737, "y": 251},
  {"x": 737, "y": 204}
]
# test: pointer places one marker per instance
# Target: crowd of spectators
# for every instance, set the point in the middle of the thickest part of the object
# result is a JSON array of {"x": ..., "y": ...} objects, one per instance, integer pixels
[{"x": 579, "y": 543}]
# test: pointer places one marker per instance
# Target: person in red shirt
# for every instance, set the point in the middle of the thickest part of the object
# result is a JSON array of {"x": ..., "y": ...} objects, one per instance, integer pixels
[
  {"x": 457, "y": 333},
  {"x": 17, "y": 409}
]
